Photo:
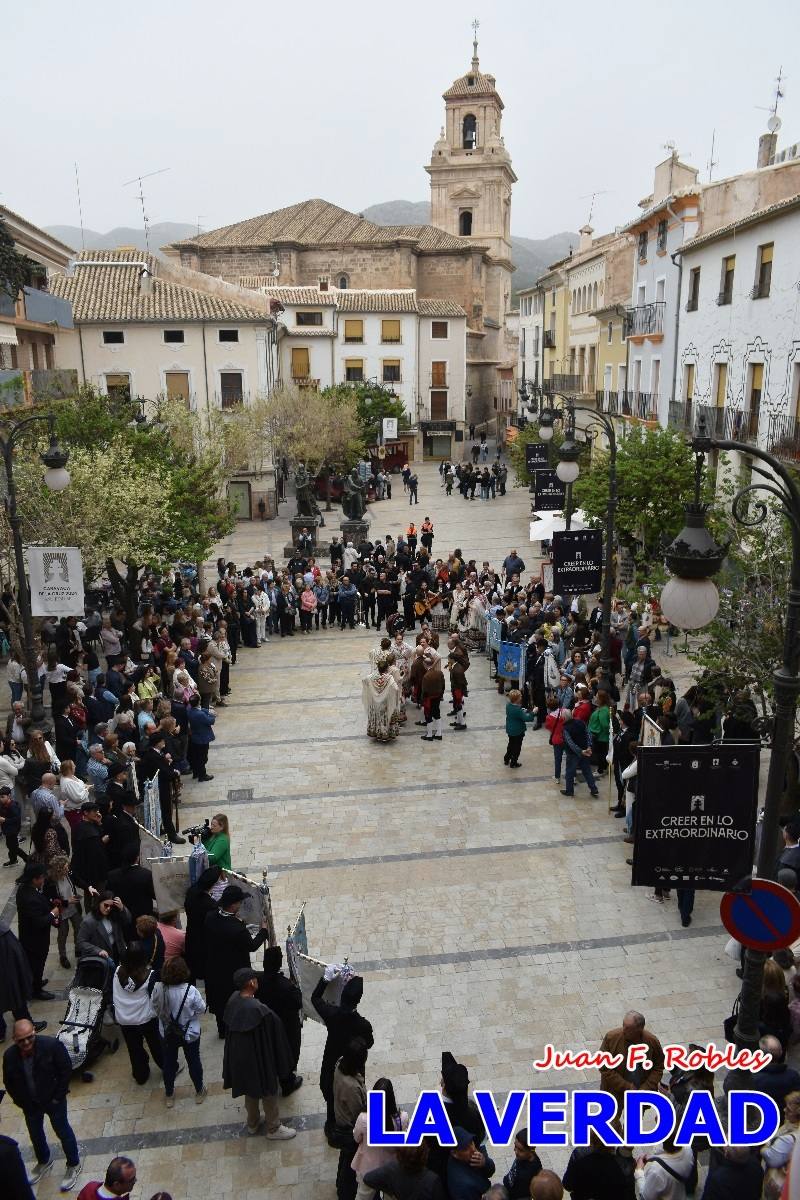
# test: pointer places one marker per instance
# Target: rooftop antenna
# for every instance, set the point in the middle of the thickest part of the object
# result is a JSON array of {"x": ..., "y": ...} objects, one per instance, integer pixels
[
  {"x": 712, "y": 162},
  {"x": 774, "y": 122},
  {"x": 80, "y": 207},
  {"x": 138, "y": 179},
  {"x": 200, "y": 217},
  {"x": 592, "y": 196}
]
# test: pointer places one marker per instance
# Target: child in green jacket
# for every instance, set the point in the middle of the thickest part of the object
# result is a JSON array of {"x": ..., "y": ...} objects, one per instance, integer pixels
[{"x": 516, "y": 719}]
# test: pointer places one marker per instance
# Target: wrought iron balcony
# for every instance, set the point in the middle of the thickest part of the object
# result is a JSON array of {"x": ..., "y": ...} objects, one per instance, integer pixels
[
  {"x": 231, "y": 398},
  {"x": 638, "y": 406},
  {"x": 571, "y": 384},
  {"x": 734, "y": 424},
  {"x": 681, "y": 414},
  {"x": 783, "y": 437},
  {"x": 644, "y": 319}
]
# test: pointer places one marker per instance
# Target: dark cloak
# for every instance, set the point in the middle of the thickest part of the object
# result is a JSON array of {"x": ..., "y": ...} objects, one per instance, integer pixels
[
  {"x": 16, "y": 982},
  {"x": 256, "y": 1056}
]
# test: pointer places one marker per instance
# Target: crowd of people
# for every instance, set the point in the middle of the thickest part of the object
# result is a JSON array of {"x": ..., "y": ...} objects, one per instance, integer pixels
[{"x": 130, "y": 701}]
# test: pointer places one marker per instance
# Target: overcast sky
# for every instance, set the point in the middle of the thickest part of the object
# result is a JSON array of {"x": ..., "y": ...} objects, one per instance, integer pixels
[{"x": 253, "y": 106}]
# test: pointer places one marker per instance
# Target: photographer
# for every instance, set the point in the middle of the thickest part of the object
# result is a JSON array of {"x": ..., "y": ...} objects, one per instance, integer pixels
[{"x": 215, "y": 836}]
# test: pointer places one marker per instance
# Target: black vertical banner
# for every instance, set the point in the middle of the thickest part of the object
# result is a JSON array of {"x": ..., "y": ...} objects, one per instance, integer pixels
[
  {"x": 577, "y": 561},
  {"x": 695, "y": 816},
  {"x": 549, "y": 493},
  {"x": 536, "y": 456}
]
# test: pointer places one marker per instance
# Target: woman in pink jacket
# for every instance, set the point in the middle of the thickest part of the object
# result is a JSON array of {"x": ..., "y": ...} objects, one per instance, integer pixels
[
  {"x": 367, "y": 1158},
  {"x": 308, "y": 606}
]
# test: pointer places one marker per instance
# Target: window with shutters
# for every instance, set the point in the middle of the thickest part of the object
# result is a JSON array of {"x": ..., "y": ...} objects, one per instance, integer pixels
[
  {"x": 440, "y": 330},
  {"x": 721, "y": 384},
  {"x": 354, "y": 370},
  {"x": 661, "y": 236},
  {"x": 439, "y": 374},
  {"x": 726, "y": 282},
  {"x": 643, "y": 237},
  {"x": 353, "y": 331},
  {"x": 390, "y": 331},
  {"x": 118, "y": 386},
  {"x": 176, "y": 384},
  {"x": 231, "y": 391},
  {"x": 694, "y": 290},
  {"x": 391, "y": 370},
  {"x": 438, "y": 406},
  {"x": 301, "y": 366},
  {"x": 763, "y": 272},
  {"x": 688, "y": 383},
  {"x": 309, "y": 318}
]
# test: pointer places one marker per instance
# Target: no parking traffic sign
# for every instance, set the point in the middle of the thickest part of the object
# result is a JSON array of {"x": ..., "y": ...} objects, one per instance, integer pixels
[{"x": 766, "y": 919}]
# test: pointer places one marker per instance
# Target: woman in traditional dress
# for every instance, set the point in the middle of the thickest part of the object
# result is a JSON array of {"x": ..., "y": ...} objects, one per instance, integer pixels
[
  {"x": 396, "y": 672},
  {"x": 475, "y": 632},
  {"x": 458, "y": 606},
  {"x": 381, "y": 698}
]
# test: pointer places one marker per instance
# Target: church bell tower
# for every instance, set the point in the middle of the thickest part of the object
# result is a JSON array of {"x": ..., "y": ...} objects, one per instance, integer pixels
[{"x": 470, "y": 168}]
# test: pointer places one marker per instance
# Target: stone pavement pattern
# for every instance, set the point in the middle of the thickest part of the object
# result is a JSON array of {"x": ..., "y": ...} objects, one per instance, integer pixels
[{"x": 488, "y": 914}]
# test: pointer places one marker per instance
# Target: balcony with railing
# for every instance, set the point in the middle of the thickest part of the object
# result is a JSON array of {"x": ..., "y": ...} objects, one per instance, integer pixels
[
  {"x": 681, "y": 414},
  {"x": 305, "y": 381},
  {"x": 571, "y": 384},
  {"x": 231, "y": 398},
  {"x": 549, "y": 339},
  {"x": 783, "y": 437},
  {"x": 637, "y": 406},
  {"x": 36, "y": 387},
  {"x": 732, "y": 424},
  {"x": 645, "y": 320},
  {"x": 39, "y": 308}
]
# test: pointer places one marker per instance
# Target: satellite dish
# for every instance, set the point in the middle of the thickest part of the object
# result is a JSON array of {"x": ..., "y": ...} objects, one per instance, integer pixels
[{"x": 774, "y": 123}]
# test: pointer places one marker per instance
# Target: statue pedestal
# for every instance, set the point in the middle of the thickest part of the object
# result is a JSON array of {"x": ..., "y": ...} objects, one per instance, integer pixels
[
  {"x": 312, "y": 525},
  {"x": 355, "y": 531}
]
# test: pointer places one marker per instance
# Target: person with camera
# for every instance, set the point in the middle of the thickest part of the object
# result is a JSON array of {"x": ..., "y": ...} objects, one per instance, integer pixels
[{"x": 216, "y": 838}]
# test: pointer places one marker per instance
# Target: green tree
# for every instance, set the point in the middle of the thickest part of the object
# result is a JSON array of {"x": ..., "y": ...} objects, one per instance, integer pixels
[
  {"x": 320, "y": 429},
  {"x": 15, "y": 268},
  {"x": 655, "y": 479},
  {"x": 373, "y": 403}
]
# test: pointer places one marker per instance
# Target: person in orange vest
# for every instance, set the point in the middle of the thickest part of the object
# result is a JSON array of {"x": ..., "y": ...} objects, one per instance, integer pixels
[{"x": 411, "y": 538}]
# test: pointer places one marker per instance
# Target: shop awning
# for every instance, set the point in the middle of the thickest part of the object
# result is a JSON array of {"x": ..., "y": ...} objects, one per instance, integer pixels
[{"x": 8, "y": 334}]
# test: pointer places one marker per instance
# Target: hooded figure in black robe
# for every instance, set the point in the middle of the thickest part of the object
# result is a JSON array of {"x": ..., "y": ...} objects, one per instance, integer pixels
[
  {"x": 461, "y": 1111},
  {"x": 198, "y": 904},
  {"x": 344, "y": 1022},
  {"x": 256, "y": 1056},
  {"x": 286, "y": 1001}
]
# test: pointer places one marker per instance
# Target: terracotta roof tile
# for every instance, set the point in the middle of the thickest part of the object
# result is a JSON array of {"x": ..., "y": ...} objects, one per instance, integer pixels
[
  {"x": 318, "y": 223},
  {"x": 440, "y": 308},
  {"x": 111, "y": 291},
  {"x": 754, "y": 218},
  {"x": 482, "y": 85},
  {"x": 303, "y": 295}
]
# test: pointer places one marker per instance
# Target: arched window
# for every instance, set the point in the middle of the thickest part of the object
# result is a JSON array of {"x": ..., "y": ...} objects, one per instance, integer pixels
[
  {"x": 583, "y": 299},
  {"x": 469, "y": 130},
  {"x": 594, "y": 295},
  {"x": 343, "y": 283},
  {"x": 465, "y": 223}
]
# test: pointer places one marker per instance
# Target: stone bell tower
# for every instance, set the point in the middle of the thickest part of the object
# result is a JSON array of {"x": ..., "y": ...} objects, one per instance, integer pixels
[{"x": 470, "y": 168}]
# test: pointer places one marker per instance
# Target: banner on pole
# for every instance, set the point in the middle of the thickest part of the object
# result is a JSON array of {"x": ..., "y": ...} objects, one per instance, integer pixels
[
  {"x": 495, "y": 633},
  {"x": 389, "y": 429},
  {"x": 696, "y": 816},
  {"x": 577, "y": 561},
  {"x": 536, "y": 456},
  {"x": 650, "y": 733},
  {"x": 151, "y": 806},
  {"x": 56, "y": 581},
  {"x": 306, "y": 971},
  {"x": 549, "y": 493},
  {"x": 511, "y": 662}
]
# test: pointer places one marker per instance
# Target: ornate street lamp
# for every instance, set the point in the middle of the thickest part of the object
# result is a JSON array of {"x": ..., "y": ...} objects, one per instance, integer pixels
[
  {"x": 56, "y": 477},
  {"x": 693, "y": 564}
]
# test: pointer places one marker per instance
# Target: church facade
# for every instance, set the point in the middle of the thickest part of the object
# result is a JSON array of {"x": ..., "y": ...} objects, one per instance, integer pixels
[{"x": 463, "y": 256}]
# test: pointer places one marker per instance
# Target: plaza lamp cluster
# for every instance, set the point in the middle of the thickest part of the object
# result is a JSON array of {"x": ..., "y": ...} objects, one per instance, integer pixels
[
  {"x": 690, "y": 600},
  {"x": 56, "y": 478}
]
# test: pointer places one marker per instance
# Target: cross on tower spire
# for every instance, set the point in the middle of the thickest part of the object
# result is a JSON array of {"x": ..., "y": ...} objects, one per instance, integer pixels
[{"x": 475, "y": 27}]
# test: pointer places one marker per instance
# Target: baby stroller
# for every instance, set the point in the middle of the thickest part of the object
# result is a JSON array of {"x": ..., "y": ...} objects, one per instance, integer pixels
[{"x": 81, "y": 1031}]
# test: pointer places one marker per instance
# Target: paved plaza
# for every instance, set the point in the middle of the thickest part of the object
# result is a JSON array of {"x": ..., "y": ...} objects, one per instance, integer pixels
[{"x": 488, "y": 914}]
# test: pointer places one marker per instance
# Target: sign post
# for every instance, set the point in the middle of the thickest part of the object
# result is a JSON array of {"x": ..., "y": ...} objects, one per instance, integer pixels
[
  {"x": 549, "y": 493},
  {"x": 389, "y": 429},
  {"x": 56, "y": 579},
  {"x": 577, "y": 561},
  {"x": 767, "y": 919},
  {"x": 696, "y": 816}
]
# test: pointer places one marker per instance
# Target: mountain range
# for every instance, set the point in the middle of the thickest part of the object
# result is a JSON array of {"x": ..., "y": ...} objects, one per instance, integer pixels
[{"x": 531, "y": 256}]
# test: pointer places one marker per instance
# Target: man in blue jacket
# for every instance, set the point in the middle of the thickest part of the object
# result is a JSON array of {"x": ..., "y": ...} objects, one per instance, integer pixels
[
  {"x": 579, "y": 756},
  {"x": 201, "y": 735}
]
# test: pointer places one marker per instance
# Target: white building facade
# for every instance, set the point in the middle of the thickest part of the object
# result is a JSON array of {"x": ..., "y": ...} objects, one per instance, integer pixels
[{"x": 739, "y": 336}]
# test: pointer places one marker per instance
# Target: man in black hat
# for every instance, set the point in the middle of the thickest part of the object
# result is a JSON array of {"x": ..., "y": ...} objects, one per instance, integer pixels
[
  {"x": 155, "y": 761},
  {"x": 89, "y": 853},
  {"x": 228, "y": 948},
  {"x": 286, "y": 1001},
  {"x": 256, "y": 1056},
  {"x": 343, "y": 1022}
]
